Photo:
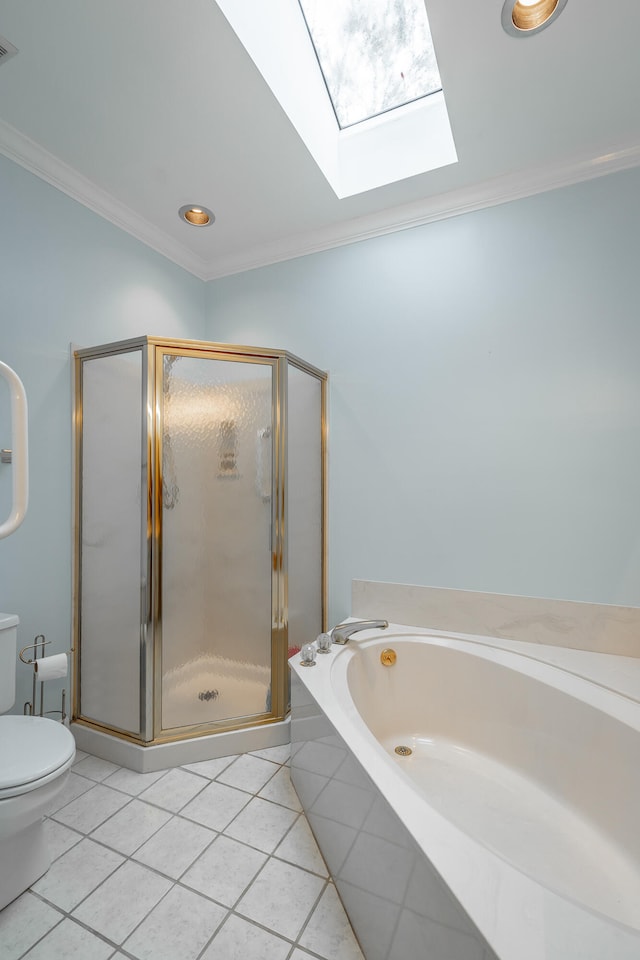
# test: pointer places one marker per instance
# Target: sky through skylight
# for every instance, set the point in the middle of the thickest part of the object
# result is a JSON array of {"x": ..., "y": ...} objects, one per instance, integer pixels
[{"x": 375, "y": 55}]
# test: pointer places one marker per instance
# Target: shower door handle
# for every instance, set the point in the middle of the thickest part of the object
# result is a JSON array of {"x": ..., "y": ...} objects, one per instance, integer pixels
[{"x": 19, "y": 451}]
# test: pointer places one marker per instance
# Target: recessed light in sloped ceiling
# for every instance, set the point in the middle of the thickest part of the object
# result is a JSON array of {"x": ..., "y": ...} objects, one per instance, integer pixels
[
  {"x": 527, "y": 17},
  {"x": 196, "y": 216}
]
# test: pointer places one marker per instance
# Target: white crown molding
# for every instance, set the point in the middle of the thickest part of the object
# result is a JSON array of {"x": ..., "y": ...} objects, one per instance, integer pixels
[
  {"x": 488, "y": 193},
  {"x": 30, "y": 155}
]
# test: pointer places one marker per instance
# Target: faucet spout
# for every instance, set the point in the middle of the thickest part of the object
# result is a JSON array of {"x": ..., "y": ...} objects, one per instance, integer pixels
[{"x": 341, "y": 633}]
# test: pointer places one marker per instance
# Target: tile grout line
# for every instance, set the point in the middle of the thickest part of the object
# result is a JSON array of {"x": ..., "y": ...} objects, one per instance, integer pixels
[
  {"x": 216, "y": 834},
  {"x": 65, "y": 915},
  {"x": 177, "y": 812},
  {"x": 46, "y": 934},
  {"x": 230, "y": 911},
  {"x": 310, "y": 914}
]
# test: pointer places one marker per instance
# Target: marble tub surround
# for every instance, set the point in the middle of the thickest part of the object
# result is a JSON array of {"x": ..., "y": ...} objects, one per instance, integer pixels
[
  {"x": 209, "y": 861},
  {"x": 596, "y": 627}
]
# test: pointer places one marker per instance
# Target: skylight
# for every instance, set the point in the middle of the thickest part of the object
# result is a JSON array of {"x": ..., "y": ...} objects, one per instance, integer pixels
[
  {"x": 374, "y": 56},
  {"x": 377, "y": 141}
]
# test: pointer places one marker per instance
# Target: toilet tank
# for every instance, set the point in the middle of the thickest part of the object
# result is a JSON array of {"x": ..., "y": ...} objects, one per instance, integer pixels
[{"x": 8, "y": 656}]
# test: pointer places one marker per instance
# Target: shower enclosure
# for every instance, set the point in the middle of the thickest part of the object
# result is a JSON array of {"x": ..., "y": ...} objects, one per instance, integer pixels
[{"x": 199, "y": 545}]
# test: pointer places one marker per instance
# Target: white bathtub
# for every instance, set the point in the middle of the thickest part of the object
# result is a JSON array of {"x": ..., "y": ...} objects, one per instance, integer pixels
[{"x": 513, "y": 828}]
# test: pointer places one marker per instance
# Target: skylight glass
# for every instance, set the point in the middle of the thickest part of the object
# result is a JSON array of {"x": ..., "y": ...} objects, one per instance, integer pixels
[{"x": 375, "y": 55}]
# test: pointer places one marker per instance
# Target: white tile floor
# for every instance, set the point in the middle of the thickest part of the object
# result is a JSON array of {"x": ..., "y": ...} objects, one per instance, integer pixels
[{"x": 212, "y": 861}]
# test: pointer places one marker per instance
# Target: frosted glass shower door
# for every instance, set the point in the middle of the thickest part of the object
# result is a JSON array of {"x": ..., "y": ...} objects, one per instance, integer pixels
[{"x": 216, "y": 536}]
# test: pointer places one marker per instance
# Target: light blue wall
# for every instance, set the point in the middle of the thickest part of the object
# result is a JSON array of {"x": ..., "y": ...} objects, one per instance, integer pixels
[
  {"x": 66, "y": 275},
  {"x": 485, "y": 387},
  {"x": 485, "y": 393}
]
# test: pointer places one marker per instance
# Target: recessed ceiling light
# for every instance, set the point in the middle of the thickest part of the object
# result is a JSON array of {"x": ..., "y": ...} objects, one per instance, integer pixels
[
  {"x": 197, "y": 216},
  {"x": 526, "y": 17}
]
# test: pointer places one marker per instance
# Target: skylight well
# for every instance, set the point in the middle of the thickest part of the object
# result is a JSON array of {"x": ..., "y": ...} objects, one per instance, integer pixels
[
  {"x": 374, "y": 56},
  {"x": 359, "y": 81}
]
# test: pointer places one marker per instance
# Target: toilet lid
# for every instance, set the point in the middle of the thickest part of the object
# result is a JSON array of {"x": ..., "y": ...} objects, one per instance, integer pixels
[{"x": 32, "y": 748}]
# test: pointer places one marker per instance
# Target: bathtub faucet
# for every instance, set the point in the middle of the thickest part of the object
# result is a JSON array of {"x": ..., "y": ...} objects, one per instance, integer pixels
[{"x": 343, "y": 631}]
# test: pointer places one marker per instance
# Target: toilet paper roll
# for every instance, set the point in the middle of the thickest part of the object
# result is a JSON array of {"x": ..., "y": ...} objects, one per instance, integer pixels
[{"x": 51, "y": 668}]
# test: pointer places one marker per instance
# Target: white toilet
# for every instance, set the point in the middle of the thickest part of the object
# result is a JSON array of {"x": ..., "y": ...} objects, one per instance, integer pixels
[{"x": 35, "y": 755}]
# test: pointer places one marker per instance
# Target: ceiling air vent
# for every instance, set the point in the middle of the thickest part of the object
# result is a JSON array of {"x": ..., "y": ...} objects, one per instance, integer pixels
[{"x": 7, "y": 50}]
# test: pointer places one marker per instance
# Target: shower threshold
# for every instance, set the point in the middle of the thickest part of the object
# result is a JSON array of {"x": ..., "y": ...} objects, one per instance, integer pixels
[{"x": 176, "y": 753}]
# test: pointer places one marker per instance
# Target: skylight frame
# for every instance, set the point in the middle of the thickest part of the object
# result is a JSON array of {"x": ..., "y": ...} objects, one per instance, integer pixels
[{"x": 401, "y": 143}]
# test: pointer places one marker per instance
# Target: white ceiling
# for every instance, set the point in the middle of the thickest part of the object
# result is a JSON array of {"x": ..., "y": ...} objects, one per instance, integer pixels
[{"x": 136, "y": 107}]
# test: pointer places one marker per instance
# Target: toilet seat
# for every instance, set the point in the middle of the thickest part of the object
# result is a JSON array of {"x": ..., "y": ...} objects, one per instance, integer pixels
[{"x": 33, "y": 751}]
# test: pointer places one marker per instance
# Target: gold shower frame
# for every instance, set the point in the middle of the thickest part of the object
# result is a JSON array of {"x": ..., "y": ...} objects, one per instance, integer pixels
[{"x": 152, "y": 350}]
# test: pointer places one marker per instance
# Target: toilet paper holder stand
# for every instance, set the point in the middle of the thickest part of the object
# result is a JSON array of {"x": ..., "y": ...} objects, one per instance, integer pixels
[{"x": 30, "y": 706}]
